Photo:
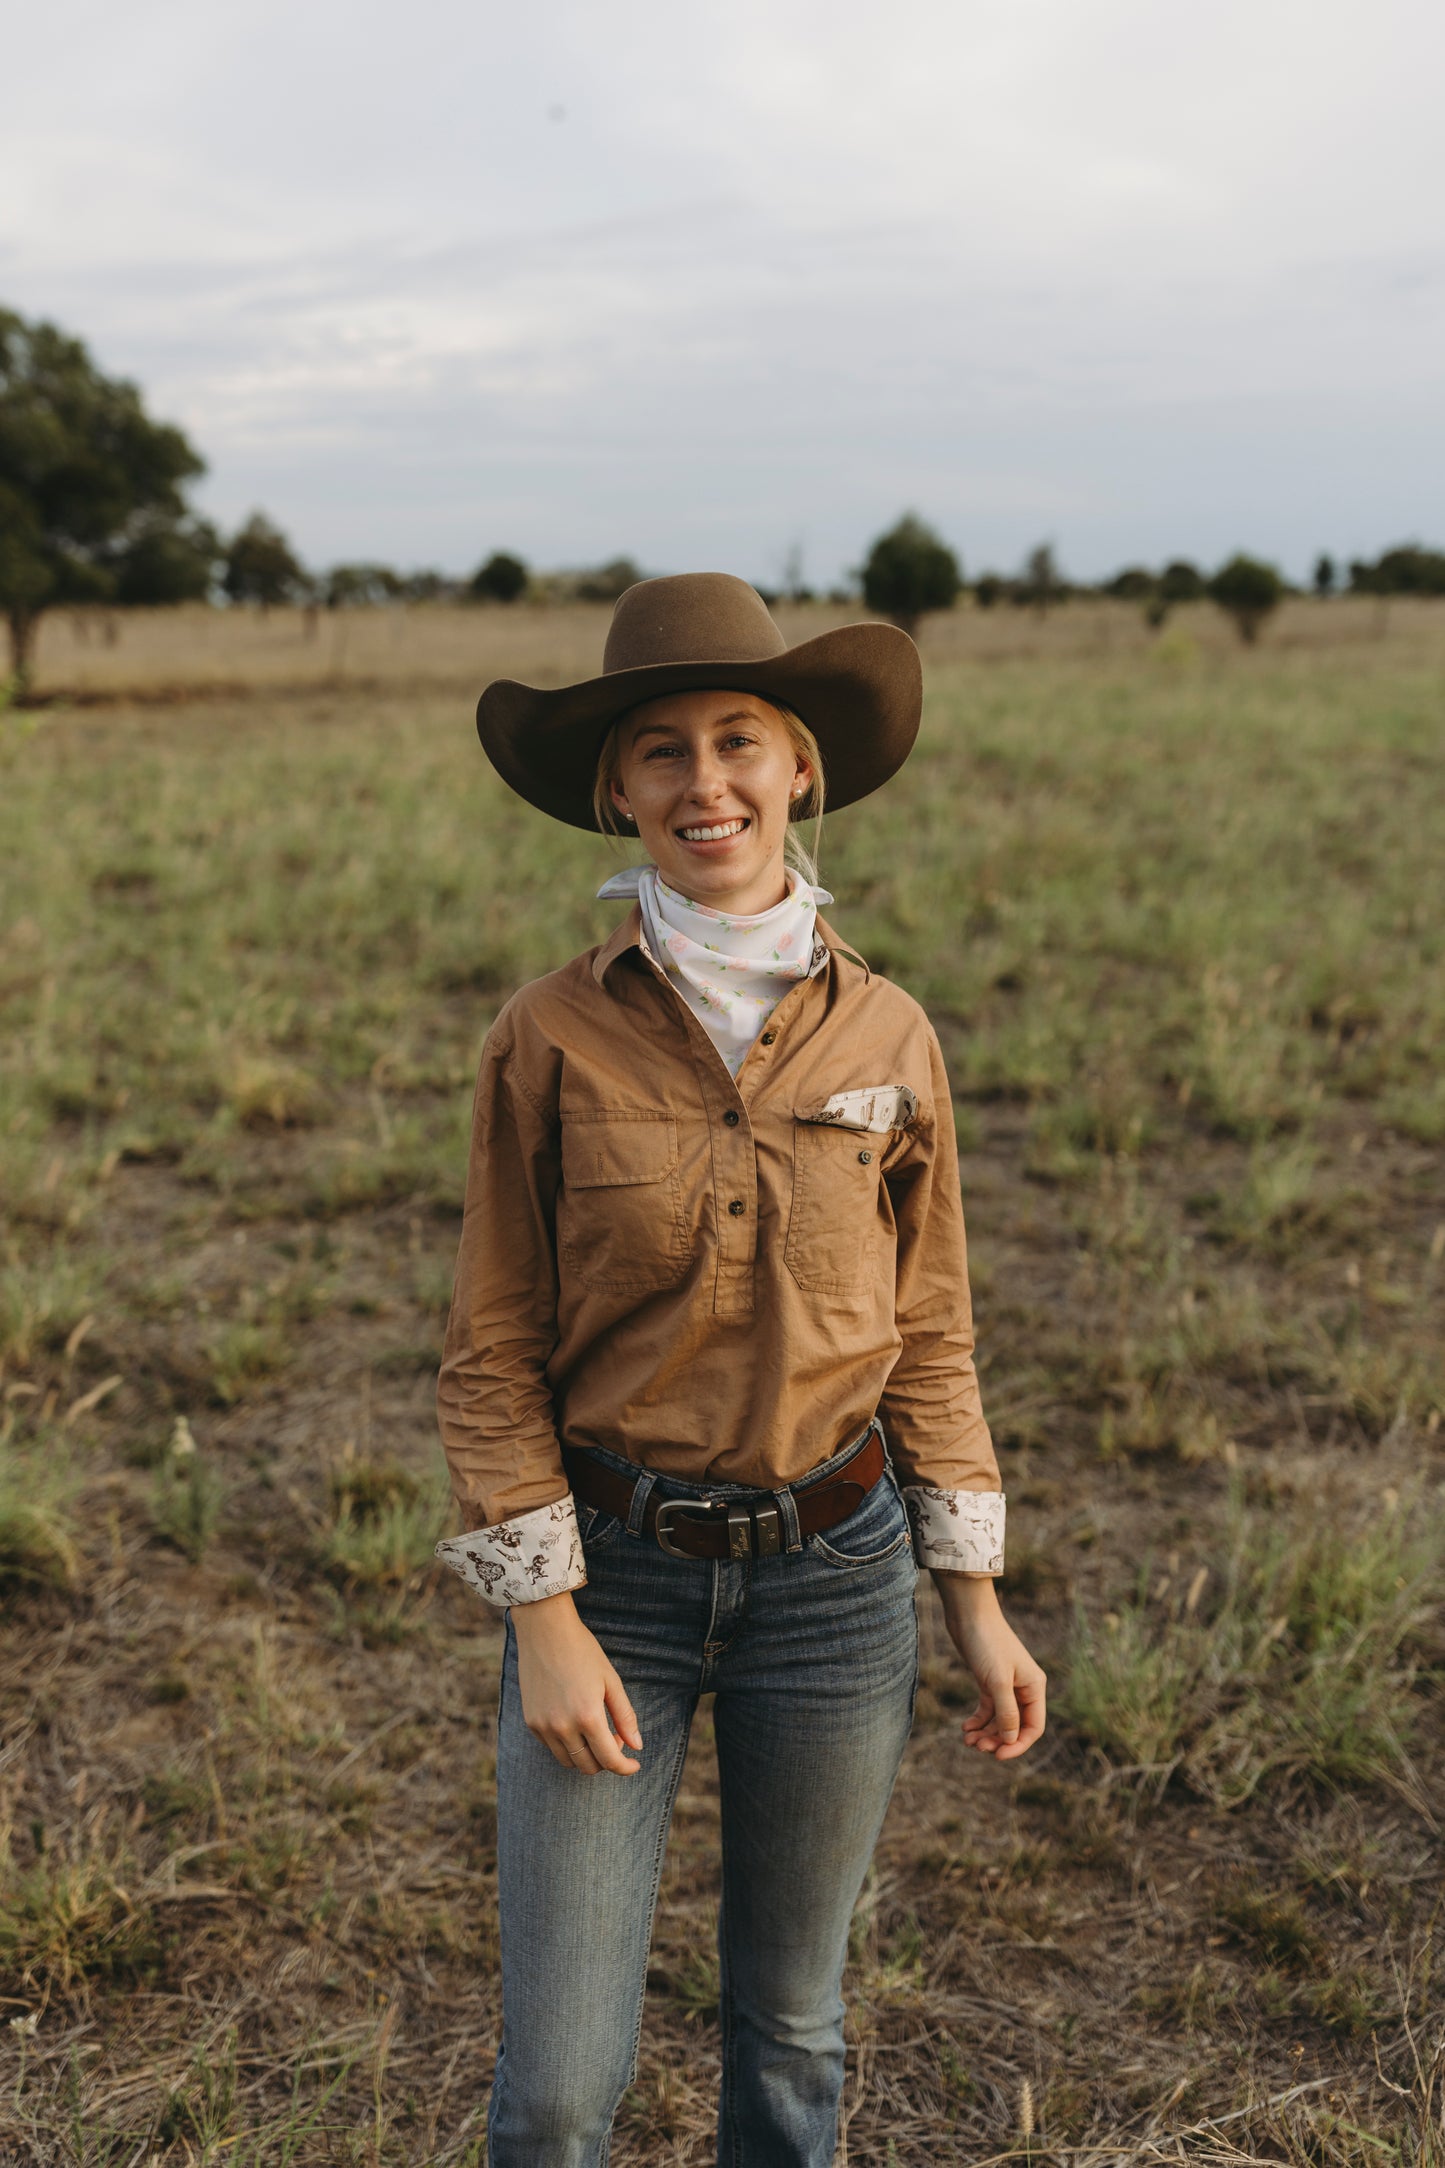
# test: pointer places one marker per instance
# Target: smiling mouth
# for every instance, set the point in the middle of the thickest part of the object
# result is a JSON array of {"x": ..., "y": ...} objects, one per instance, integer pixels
[{"x": 717, "y": 832}]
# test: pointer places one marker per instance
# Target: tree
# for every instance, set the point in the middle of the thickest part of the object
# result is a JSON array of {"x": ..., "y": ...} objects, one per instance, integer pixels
[
  {"x": 1247, "y": 590},
  {"x": 428, "y": 586},
  {"x": 1041, "y": 586},
  {"x": 361, "y": 585},
  {"x": 1180, "y": 581},
  {"x": 168, "y": 562},
  {"x": 261, "y": 566},
  {"x": 908, "y": 571},
  {"x": 990, "y": 589},
  {"x": 1324, "y": 575},
  {"x": 1134, "y": 584},
  {"x": 502, "y": 578},
  {"x": 1407, "y": 569},
  {"x": 87, "y": 479}
]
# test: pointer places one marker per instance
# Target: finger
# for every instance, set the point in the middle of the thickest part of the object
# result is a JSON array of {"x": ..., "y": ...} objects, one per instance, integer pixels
[
  {"x": 620, "y": 1709},
  {"x": 978, "y": 1724},
  {"x": 1006, "y": 1714},
  {"x": 573, "y": 1752},
  {"x": 982, "y": 1710},
  {"x": 1034, "y": 1717},
  {"x": 606, "y": 1747}
]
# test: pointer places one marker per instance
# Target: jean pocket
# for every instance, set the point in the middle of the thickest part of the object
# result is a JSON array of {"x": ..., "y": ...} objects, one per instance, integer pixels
[
  {"x": 876, "y": 1529},
  {"x": 596, "y": 1529}
]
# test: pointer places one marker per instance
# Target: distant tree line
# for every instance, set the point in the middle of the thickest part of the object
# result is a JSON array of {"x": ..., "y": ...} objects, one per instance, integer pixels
[
  {"x": 911, "y": 570},
  {"x": 93, "y": 510}
]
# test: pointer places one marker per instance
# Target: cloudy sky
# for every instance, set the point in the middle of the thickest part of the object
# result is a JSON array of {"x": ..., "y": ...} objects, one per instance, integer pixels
[{"x": 708, "y": 284}]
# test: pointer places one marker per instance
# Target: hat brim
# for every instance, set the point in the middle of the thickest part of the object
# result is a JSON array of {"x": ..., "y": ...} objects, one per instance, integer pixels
[{"x": 859, "y": 689}]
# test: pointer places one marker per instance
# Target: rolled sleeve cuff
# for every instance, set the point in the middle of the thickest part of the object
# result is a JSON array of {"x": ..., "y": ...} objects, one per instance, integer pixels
[
  {"x": 523, "y": 1559},
  {"x": 956, "y": 1531}
]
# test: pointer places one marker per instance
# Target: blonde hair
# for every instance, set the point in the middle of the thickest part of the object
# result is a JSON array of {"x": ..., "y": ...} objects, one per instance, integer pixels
[{"x": 807, "y": 807}]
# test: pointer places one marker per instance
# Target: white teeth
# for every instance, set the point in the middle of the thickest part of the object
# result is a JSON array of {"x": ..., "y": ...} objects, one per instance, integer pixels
[{"x": 713, "y": 835}]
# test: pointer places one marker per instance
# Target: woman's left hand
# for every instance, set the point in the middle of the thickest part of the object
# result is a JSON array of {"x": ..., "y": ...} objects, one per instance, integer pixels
[{"x": 1011, "y": 1686}]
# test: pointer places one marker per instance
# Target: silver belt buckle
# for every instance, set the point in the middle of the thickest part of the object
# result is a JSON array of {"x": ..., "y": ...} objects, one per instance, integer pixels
[{"x": 684, "y": 1506}]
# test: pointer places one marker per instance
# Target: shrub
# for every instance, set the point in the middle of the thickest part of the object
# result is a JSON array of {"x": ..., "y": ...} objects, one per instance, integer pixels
[
  {"x": 362, "y": 585},
  {"x": 1247, "y": 590},
  {"x": 502, "y": 578},
  {"x": 1134, "y": 584},
  {"x": 1181, "y": 581},
  {"x": 1408, "y": 569},
  {"x": 909, "y": 571},
  {"x": 606, "y": 582}
]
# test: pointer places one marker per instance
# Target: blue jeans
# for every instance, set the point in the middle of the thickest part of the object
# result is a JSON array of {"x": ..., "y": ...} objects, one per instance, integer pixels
[{"x": 813, "y": 1658}]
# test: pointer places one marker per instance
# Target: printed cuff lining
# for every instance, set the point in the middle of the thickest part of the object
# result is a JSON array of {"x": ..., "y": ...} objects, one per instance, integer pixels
[
  {"x": 956, "y": 1531},
  {"x": 523, "y": 1559}
]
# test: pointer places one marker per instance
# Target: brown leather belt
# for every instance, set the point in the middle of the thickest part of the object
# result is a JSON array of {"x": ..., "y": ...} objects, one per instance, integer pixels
[{"x": 729, "y": 1527}]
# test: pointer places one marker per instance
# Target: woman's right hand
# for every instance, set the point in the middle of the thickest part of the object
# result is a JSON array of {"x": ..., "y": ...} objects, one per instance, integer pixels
[{"x": 569, "y": 1689}]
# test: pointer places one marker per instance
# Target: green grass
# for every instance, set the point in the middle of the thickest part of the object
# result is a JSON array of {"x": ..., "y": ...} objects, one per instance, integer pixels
[
  {"x": 1177, "y": 912},
  {"x": 1128, "y": 892},
  {"x": 40, "y": 1487},
  {"x": 1294, "y": 1654}
]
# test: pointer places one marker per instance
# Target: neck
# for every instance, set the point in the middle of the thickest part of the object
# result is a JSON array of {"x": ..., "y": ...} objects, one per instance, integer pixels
[{"x": 770, "y": 887}]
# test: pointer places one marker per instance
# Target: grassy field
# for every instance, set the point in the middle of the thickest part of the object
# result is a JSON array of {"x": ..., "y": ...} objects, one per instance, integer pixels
[{"x": 1178, "y": 910}]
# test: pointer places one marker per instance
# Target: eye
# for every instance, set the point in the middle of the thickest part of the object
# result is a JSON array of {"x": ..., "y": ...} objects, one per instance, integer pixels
[{"x": 660, "y": 749}]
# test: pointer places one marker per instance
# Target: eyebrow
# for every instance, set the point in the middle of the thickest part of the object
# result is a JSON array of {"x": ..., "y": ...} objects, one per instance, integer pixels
[{"x": 663, "y": 730}]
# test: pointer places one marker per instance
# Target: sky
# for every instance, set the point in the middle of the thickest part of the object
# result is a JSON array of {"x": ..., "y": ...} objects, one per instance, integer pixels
[{"x": 717, "y": 287}]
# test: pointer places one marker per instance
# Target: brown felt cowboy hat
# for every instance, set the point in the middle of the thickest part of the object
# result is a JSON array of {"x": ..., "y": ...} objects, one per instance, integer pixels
[{"x": 859, "y": 690}]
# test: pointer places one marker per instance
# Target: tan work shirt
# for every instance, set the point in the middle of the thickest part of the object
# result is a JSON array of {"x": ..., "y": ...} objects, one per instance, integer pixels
[{"x": 689, "y": 1270}]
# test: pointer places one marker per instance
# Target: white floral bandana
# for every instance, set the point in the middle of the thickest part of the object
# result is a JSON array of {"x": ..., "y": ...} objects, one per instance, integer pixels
[{"x": 731, "y": 970}]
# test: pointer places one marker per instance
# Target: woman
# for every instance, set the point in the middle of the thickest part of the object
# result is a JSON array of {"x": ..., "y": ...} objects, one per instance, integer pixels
[{"x": 707, "y": 1394}]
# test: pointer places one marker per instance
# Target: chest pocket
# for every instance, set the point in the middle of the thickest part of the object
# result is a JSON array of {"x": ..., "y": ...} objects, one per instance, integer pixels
[
  {"x": 620, "y": 1222},
  {"x": 833, "y": 1220}
]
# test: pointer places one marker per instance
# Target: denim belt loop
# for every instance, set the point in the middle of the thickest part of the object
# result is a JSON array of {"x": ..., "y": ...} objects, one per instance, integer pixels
[
  {"x": 641, "y": 1491},
  {"x": 787, "y": 1507}
]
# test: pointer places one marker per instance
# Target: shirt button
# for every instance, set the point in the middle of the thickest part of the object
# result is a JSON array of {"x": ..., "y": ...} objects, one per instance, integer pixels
[
  {"x": 737, "y": 1207},
  {"x": 731, "y": 1117},
  {"x": 768, "y": 1037},
  {"x": 865, "y": 1157}
]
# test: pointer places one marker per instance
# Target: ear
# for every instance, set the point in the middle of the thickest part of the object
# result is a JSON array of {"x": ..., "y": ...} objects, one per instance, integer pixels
[
  {"x": 802, "y": 776},
  {"x": 619, "y": 799}
]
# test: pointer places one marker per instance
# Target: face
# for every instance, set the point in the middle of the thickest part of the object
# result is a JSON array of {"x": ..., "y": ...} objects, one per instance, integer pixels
[{"x": 709, "y": 778}]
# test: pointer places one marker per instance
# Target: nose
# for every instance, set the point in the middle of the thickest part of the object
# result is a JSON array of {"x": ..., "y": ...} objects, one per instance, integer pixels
[{"x": 706, "y": 781}]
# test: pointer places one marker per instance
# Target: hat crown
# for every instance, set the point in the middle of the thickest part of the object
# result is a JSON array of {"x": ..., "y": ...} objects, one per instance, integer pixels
[{"x": 690, "y": 617}]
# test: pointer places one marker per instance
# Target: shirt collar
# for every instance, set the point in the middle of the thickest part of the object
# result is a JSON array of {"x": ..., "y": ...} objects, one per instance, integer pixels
[{"x": 629, "y": 935}]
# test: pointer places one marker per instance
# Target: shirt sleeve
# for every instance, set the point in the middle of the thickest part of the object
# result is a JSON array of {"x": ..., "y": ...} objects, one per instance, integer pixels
[
  {"x": 494, "y": 1405},
  {"x": 930, "y": 1407}
]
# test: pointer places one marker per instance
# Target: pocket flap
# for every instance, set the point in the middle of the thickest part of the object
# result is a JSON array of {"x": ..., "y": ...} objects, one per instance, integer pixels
[
  {"x": 875, "y": 1107},
  {"x": 607, "y": 1151}
]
